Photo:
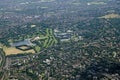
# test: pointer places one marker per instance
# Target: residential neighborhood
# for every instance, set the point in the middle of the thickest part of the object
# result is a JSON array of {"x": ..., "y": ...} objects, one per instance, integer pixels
[{"x": 59, "y": 40}]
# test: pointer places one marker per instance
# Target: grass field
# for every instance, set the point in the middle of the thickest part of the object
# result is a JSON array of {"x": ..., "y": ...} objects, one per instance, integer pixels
[
  {"x": 50, "y": 38},
  {"x": 111, "y": 16},
  {"x": 13, "y": 50},
  {"x": 96, "y": 3},
  {"x": 23, "y": 47}
]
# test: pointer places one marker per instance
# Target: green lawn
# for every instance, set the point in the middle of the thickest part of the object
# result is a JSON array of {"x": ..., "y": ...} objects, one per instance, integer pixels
[{"x": 48, "y": 39}]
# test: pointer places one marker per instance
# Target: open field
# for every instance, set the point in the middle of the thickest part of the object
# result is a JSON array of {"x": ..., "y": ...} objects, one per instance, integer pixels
[
  {"x": 96, "y": 3},
  {"x": 111, "y": 16},
  {"x": 47, "y": 0},
  {"x": 45, "y": 43},
  {"x": 76, "y": 3},
  {"x": 33, "y": 26},
  {"x": 50, "y": 40},
  {"x": 23, "y": 47},
  {"x": 13, "y": 50}
]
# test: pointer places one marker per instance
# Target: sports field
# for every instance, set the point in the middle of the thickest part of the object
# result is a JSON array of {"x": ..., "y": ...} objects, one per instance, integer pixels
[{"x": 13, "y": 50}]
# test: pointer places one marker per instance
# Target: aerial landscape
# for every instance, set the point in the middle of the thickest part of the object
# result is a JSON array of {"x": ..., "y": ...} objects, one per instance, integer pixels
[{"x": 59, "y": 39}]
